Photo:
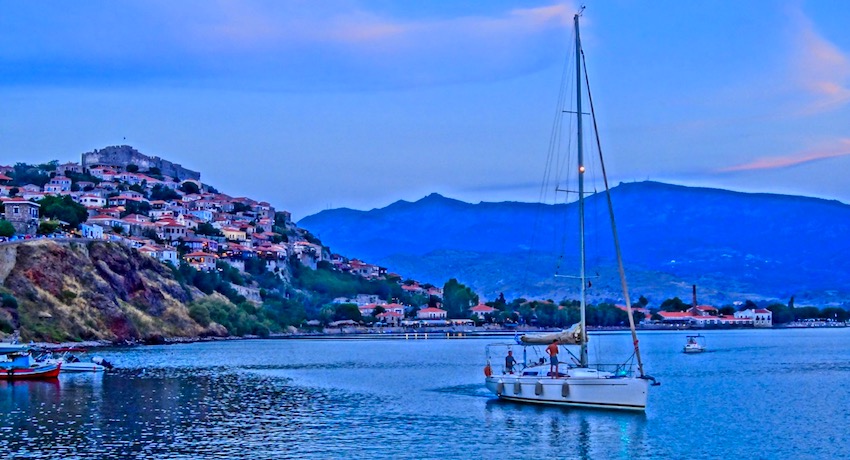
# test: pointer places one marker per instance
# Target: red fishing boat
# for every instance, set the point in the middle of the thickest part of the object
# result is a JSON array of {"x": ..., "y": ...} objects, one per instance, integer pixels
[{"x": 17, "y": 363}]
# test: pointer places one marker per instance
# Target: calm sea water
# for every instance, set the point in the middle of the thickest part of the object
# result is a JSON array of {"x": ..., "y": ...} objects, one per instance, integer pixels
[{"x": 757, "y": 394}]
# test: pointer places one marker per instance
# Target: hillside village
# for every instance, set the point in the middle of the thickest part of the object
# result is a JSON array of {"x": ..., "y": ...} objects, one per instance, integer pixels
[{"x": 166, "y": 212}]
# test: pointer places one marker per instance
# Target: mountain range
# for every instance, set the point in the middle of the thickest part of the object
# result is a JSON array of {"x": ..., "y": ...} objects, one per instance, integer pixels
[{"x": 733, "y": 246}]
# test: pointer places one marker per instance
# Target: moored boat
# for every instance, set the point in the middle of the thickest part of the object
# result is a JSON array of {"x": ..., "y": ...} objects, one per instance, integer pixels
[
  {"x": 18, "y": 363},
  {"x": 71, "y": 362}
]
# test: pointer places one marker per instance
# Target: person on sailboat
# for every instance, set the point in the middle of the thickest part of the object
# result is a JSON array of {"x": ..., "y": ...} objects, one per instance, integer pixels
[
  {"x": 510, "y": 362},
  {"x": 552, "y": 351}
]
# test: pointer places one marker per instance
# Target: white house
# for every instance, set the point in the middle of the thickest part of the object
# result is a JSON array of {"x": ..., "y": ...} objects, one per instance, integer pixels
[
  {"x": 761, "y": 317},
  {"x": 431, "y": 313},
  {"x": 481, "y": 310},
  {"x": 92, "y": 231}
]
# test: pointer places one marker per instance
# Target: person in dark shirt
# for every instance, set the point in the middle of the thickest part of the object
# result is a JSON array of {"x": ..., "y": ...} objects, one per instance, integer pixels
[{"x": 510, "y": 362}]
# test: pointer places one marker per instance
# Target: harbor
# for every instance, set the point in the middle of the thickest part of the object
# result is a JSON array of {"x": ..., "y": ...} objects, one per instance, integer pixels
[{"x": 311, "y": 399}]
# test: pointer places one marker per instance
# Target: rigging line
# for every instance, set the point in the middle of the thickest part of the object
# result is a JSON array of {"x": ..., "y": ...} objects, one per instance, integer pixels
[
  {"x": 565, "y": 172},
  {"x": 620, "y": 267},
  {"x": 551, "y": 169}
]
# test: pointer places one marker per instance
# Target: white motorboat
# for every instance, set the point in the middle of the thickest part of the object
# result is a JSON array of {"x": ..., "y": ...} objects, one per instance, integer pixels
[
  {"x": 576, "y": 382},
  {"x": 695, "y": 344},
  {"x": 71, "y": 362}
]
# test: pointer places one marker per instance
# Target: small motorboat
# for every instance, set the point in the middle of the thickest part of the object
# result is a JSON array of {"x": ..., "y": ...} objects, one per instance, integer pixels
[
  {"x": 18, "y": 363},
  {"x": 71, "y": 362},
  {"x": 695, "y": 344}
]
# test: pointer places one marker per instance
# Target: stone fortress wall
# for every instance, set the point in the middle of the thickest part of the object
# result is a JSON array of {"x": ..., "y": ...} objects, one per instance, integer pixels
[{"x": 122, "y": 155}]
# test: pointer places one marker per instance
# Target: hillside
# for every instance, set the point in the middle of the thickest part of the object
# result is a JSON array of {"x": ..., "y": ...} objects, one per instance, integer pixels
[
  {"x": 92, "y": 291},
  {"x": 734, "y": 246}
]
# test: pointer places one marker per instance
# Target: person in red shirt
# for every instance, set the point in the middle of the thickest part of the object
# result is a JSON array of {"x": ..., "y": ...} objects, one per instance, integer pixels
[{"x": 552, "y": 351}]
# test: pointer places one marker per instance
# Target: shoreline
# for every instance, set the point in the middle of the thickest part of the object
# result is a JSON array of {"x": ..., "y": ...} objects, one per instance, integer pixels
[{"x": 402, "y": 334}]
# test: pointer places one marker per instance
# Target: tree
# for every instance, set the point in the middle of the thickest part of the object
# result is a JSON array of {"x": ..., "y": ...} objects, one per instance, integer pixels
[
  {"x": 189, "y": 187},
  {"x": 643, "y": 302},
  {"x": 161, "y": 192},
  {"x": 781, "y": 313},
  {"x": 205, "y": 228},
  {"x": 346, "y": 311},
  {"x": 458, "y": 299},
  {"x": 132, "y": 168},
  {"x": 727, "y": 310},
  {"x": 6, "y": 228},
  {"x": 136, "y": 207},
  {"x": 674, "y": 304},
  {"x": 63, "y": 208},
  {"x": 835, "y": 314},
  {"x": 24, "y": 174}
]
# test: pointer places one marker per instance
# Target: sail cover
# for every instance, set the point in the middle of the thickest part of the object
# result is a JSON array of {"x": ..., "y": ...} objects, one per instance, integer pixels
[{"x": 571, "y": 336}]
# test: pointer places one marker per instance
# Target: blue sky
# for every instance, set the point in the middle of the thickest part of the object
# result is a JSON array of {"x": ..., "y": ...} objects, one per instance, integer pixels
[{"x": 344, "y": 103}]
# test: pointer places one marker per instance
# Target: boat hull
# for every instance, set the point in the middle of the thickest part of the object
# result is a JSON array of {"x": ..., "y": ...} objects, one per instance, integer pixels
[
  {"x": 620, "y": 393},
  {"x": 48, "y": 371},
  {"x": 82, "y": 367}
]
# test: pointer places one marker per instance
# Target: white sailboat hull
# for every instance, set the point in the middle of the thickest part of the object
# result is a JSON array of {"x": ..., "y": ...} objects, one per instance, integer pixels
[{"x": 586, "y": 388}]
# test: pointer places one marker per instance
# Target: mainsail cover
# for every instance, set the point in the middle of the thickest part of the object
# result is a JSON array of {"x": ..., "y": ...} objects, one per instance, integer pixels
[{"x": 571, "y": 336}]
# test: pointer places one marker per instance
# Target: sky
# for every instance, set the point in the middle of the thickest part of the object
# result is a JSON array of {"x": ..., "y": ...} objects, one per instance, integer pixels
[{"x": 360, "y": 103}]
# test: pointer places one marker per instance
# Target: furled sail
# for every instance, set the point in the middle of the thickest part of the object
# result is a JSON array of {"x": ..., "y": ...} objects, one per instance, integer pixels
[{"x": 571, "y": 336}]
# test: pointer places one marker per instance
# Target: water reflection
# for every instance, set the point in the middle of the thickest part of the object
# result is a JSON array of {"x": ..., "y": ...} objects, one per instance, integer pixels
[
  {"x": 587, "y": 434},
  {"x": 417, "y": 399}
]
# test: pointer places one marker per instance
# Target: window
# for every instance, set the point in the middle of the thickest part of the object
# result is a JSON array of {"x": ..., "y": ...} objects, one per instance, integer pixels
[{"x": 16, "y": 210}]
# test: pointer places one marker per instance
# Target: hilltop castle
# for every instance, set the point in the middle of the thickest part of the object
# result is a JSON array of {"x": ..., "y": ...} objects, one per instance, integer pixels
[{"x": 123, "y": 155}]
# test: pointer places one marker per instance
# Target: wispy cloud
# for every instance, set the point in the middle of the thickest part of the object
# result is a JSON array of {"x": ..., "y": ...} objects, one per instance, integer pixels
[
  {"x": 263, "y": 24},
  {"x": 820, "y": 67},
  {"x": 291, "y": 45},
  {"x": 840, "y": 149}
]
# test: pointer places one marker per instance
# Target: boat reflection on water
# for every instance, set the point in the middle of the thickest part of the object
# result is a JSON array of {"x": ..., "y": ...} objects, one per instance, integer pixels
[
  {"x": 593, "y": 434},
  {"x": 14, "y": 393}
]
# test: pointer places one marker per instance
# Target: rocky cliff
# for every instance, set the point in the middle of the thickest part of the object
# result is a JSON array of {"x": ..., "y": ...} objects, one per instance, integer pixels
[{"x": 92, "y": 291}]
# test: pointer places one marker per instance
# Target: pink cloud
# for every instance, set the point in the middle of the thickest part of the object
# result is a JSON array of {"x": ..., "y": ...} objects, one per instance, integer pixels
[
  {"x": 840, "y": 150},
  {"x": 248, "y": 25},
  {"x": 821, "y": 68}
]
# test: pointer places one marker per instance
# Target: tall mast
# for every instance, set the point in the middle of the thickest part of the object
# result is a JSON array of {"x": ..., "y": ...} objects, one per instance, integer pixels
[{"x": 583, "y": 275}]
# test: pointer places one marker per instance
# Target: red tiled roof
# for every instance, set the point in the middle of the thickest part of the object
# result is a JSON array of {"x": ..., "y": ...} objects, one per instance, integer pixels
[{"x": 677, "y": 314}]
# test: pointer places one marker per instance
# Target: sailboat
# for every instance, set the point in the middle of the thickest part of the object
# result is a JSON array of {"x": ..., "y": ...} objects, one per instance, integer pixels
[{"x": 575, "y": 382}]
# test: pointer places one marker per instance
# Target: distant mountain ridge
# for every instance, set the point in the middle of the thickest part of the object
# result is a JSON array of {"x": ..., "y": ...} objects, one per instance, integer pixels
[{"x": 734, "y": 246}]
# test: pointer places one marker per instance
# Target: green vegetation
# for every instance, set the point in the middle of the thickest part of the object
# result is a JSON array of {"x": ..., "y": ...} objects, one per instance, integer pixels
[
  {"x": 136, "y": 207},
  {"x": 161, "y": 192},
  {"x": 458, "y": 299},
  {"x": 189, "y": 187},
  {"x": 24, "y": 174},
  {"x": 207, "y": 229},
  {"x": 6, "y": 228},
  {"x": 63, "y": 208},
  {"x": 47, "y": 227}
]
